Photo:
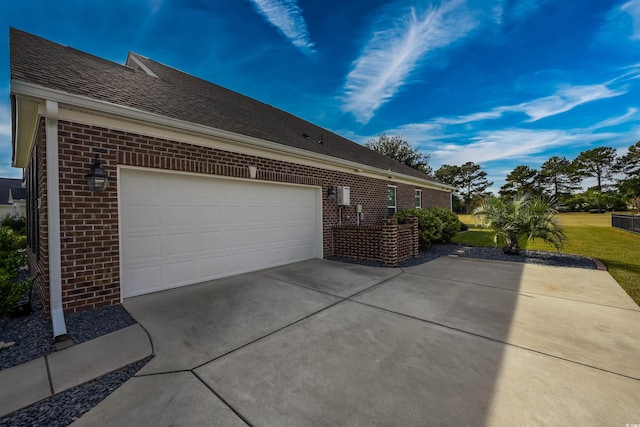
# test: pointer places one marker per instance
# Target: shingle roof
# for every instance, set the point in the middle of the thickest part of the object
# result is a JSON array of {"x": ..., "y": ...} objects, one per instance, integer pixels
[
  {"x": 180, "y": 96},
  {"x": 5, "y": 185},
  {"x": 18, "y": 193}
]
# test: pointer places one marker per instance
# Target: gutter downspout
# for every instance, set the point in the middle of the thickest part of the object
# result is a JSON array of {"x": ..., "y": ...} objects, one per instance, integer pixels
[{"x": 53, "y": 220}]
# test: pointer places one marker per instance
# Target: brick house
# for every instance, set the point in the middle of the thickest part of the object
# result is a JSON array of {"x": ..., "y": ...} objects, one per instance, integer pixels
[{"x": 202, "y": 182}]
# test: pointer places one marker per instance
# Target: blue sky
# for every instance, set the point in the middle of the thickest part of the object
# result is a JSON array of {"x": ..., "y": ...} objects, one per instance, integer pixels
[{"x": 497, "y": 82}]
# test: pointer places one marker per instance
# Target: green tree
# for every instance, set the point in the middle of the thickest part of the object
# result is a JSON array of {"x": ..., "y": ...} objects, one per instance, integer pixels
[
  {"x": 629, "y": 165},
  {"x": 472, "y": 183},
  {"x": 469, "y": 180},
  {"x": 397, "y": 148},
  {"x": 598, "y": 163},
  {"x": 525, "y": 215},
  {"x": 522, "y": 179},
  {"x": 449, "y": 174},
  {"x": 557, "y": 177}
]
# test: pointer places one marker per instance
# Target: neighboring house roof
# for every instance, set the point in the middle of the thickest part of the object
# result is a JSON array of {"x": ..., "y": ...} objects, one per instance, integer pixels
[
  {"x": 17, "y": 193},
  {"x": 5, "y": 185},
  {"x": 149, "y": 86}
]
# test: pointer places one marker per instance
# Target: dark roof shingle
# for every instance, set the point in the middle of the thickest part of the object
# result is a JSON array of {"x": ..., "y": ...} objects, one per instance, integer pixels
[
  {"x": 5, "y": 185},
  {"x": 180, "y": 96}
]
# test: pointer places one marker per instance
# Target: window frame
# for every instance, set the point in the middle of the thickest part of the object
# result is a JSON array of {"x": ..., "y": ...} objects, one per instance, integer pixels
[
  {"x": 33, "y": 211},
  {"x": 417, "y": 198},
  {"x": 392, "y": 209}
]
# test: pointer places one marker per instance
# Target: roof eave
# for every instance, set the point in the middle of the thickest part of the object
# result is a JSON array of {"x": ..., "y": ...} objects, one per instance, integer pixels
[
  {"x": 29, "y": 92},
  {"x": 25, "y": 114}
]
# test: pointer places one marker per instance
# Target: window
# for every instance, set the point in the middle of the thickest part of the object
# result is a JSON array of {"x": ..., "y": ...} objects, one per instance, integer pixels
[
  {"x": 32, "y": 203},
  {"x": 391, "y": 200},
  {"x": 418, "y": 198}
]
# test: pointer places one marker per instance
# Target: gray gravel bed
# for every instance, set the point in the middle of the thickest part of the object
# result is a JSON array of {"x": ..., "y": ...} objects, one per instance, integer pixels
[
  {"x": 87, "y": 325},
  {"x": 66, "y": 407},
  {"x": 555, "y": 259},
  {"x": 33, "y": 333}
]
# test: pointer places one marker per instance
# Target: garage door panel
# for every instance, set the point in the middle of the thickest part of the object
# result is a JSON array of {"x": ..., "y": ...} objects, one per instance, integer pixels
[
  {"x": 144, "y": 247},
  {"x": 177, "y": 273},
  {"x": 181, "y": 229},
  {"x": 142, "y": 280},
  {"x": 179, "y": 244},
  {"x": 143, "y": 217}
]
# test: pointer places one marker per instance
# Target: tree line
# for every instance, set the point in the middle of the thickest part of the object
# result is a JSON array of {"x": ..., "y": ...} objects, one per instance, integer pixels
[{"x": 616, "y": 177}]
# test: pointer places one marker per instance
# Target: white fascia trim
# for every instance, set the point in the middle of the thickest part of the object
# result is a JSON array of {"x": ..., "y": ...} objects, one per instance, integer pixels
[
  {"x": 53, "y": 220},
  {"x": 83, "y": 102}
]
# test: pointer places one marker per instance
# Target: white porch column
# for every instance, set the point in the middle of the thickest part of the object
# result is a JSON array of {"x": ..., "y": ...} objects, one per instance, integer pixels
[{"x": 53, "y": 220}]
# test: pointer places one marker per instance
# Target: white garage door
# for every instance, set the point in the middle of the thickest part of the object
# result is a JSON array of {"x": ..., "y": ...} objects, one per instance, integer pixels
[{"x": 179, "y": 229}]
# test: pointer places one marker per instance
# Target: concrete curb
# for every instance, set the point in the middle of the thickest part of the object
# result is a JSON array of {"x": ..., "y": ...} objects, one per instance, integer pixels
[
  {"x": 599, "y": 264},
  {"x": 61, "y": 370}
]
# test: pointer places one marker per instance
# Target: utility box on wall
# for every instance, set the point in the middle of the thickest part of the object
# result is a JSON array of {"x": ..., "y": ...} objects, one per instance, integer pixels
[{"x": 344, "y": 197}]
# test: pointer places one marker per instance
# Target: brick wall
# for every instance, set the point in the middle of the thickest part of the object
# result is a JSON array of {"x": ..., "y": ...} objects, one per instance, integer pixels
[
  {"x": 387, "y": 242},
  {"x": 358, "y": 241},
  {"x": 89, "y": 221}
]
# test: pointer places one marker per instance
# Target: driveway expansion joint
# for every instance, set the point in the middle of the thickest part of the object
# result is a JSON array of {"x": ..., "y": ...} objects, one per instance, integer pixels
[
  {"x": 222, "y": 399},
  {"x": 46, "y": 363},
  {"x": 496, "y": 340}
]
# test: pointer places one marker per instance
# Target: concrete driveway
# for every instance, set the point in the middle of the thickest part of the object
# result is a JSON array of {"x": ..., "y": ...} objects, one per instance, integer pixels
[{"x": 451, "y": 342}]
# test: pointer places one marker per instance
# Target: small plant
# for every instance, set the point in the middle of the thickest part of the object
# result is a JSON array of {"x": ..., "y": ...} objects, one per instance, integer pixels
[
  {"x": 525, "y": 215},
  {"x": 435, "y": 224}
]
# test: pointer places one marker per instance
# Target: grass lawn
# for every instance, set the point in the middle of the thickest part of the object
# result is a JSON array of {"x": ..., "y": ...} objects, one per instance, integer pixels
[{"x": 589, "y": 235}]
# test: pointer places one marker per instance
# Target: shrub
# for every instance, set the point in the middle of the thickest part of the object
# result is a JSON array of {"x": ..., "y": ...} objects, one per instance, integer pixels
[
  {"x": 10, "y": 240},
  {"x": 435, "y": 224},
  {"x": 11, "y": 289},
  {"x": 12, "y": 258},
  {"x": 18, "y": 225}
]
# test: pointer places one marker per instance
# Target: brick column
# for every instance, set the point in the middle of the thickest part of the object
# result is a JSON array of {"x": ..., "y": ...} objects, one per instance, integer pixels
[
  {"x": 389, "y": 241},
  {"x": 415, "y": 239}
]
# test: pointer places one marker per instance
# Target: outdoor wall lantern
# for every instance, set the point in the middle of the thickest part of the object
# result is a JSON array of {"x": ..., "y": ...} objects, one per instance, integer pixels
[
  {"x": 97, "y": 178},
  {"x": 331, "y": 193}
]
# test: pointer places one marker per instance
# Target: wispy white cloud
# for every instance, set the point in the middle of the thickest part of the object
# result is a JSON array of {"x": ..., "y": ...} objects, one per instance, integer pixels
[
  {"x": 489, "y": 146},
  {"x": 396, "y": 48},
  {"x": 621, "y": 24},
  {"x": 287, "y": 17},
  {"x": 457, "y": 147},
  {"x": 614, "y": 121},
  {"x": 632, "y": 8},
  {"x": 565, "y": 99}
]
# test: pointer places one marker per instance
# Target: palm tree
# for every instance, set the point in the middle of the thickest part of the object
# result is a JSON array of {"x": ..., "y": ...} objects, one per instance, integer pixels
[{"x": 524, "y": 215}]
